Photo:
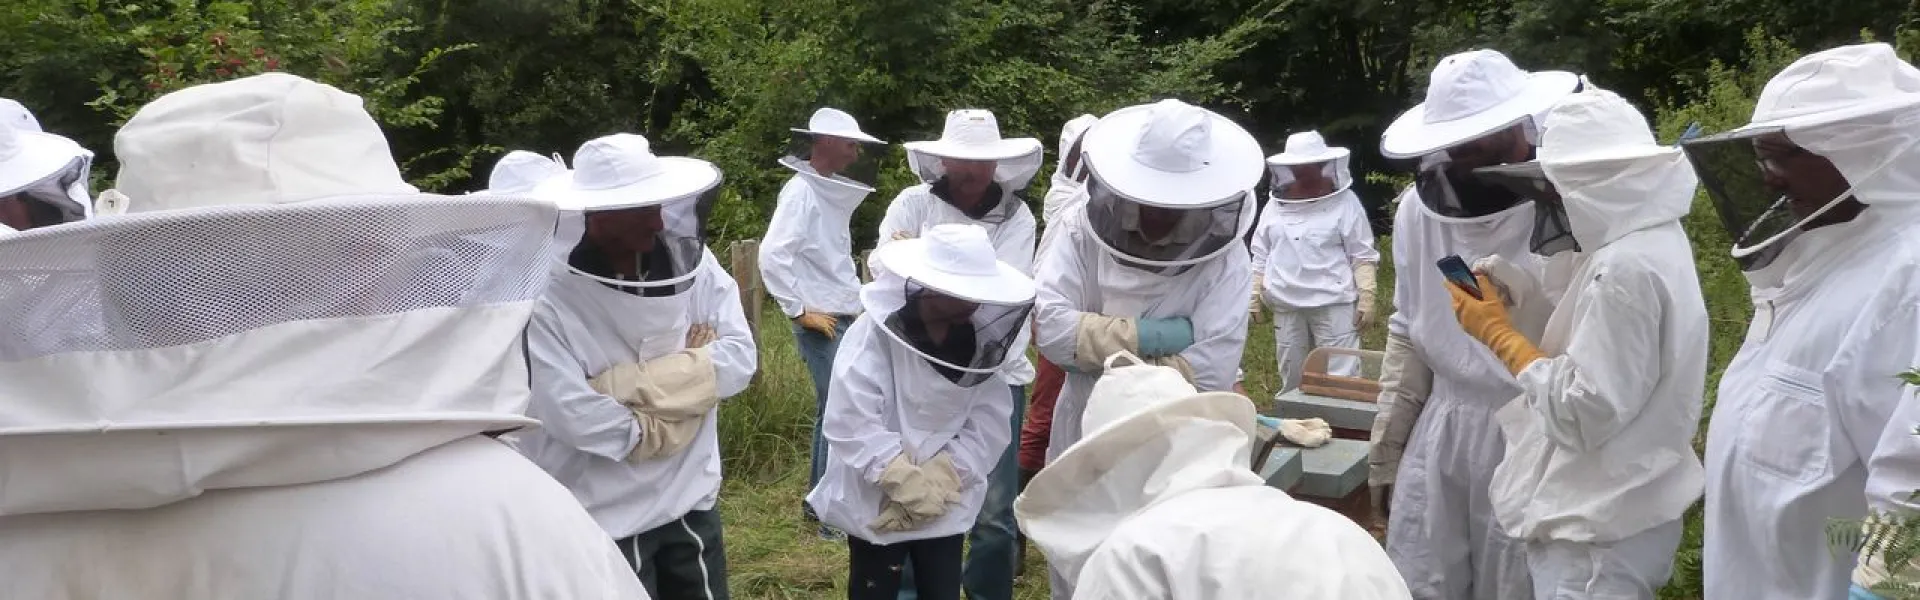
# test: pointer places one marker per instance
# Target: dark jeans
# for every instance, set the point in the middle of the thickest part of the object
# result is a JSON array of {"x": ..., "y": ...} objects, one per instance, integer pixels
[
  {"x": 874, "y": 572},
  {"x": 682, "y": 560},
  {"x": 817, "y": 351},
  {"x": 993, "y": 542}
]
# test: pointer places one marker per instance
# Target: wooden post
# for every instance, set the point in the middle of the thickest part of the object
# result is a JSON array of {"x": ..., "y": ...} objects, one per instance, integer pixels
[{"x": 744, "y": 258}]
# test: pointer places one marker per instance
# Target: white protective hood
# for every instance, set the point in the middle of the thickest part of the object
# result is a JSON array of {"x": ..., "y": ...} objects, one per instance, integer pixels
[
  {"x": 1152, "y": 437},
  {"x": 1612, "y": 176},
  {"x": 284, "y": 309},
  {"x": 1063, "y": 186}
]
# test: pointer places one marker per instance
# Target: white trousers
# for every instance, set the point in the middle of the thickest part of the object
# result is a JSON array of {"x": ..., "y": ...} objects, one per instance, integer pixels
[
  {"x": 1298, "y": 331},
  {"x": 1630, "y": 569}
]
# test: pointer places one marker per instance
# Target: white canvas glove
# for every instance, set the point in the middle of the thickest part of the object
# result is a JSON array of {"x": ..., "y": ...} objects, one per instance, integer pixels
[
  {"x": 894, "y": 517},
  {"x": 701, "y": 334},
  {"x": 902, "y": 235},
  {"x": 1308, "y": 433},
  {"x": 670, "y": 397}
]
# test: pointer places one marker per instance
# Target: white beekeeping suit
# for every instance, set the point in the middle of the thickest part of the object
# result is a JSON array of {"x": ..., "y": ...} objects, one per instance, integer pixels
[
  {"x": 1313, "y": 256},
  {"x": 43, "y": 179},
  {"x": 1158, "y": 502},
  {"x": 630, "y": 361},
  {"x": 1440, "y": 387},
  {"x": 1811, "y": 423},
  {"x": 971, "y": 153},
  {"x": 806, "y": 257},
  {"x": 1618, "y": 376},
  {"x": 1154, "y": 263},
  {"x": 294, "y": 365}
]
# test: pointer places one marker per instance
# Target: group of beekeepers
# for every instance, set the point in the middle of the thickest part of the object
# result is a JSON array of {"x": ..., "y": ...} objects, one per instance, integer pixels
[{"x": 262, "y": 365}]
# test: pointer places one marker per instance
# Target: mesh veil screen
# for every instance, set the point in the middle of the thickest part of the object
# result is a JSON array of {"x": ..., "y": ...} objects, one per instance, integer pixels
[{"x": 168, "y": 279}]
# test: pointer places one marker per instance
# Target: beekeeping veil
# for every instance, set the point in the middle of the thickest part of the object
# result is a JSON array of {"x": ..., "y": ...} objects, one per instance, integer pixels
[
  {"x": 947, "y": 299},
  {"x": 859, "y": 176},
  {"x": 1858, "y": 106},
  {"x": 1470, "y": 96},
  {"x": 1170, "y": 184},
  {"x": 47, "y": 173},
  {"x": 974, "y": 135},
  {"x": 1325, "y": 170},
  {"x": 674, "y": 196},
  {"x": 281, "y": 308}
]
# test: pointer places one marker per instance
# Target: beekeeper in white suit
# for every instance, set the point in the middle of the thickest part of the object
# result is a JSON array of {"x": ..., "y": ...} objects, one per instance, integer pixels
[
  {"x": 43, "y": 179},
  {"x": 1440, "y": 387},
  {"x": 1158, "y": 502},
  {"x": 917, "y": 416},
  {"x": 972, "y": 175},
  {"x": 1821, "y": 195},
  {"x": 383, "y": 324},
  {"x": 1313, "y": 257},
  {"x": 1154, "y": 264},
  {"x": 1618, "y": 376},
  {"x": 806, "y": 257},
  {"x": 638, "y": 339}
]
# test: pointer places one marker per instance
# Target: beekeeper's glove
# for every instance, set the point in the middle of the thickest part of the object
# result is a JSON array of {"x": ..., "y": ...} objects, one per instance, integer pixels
[
  {"x": 943, "y": 477},
  {"x": 1164, "y": 337},
  {"x": 700, "y": 334},
  {"x": 907, "y": 484},
  {"x": 893, "y": 517},
  {"x": 1486, "y": 320},
  {"x": 1522, "y": 287}
]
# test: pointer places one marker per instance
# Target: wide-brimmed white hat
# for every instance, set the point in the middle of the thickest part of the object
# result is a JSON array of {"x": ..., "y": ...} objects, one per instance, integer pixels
[
  {"x": 834, "y": 122},
  {"x": 974, "y": 134},
  {"x": 28, "y": 157},
  {"x": 1837, "y": 85},
  {"x": 956, "y": 259},
  {"x": 1133, "y": 391},
  {"x": 1470, "y": 95},
  {"x": 1307, "y": 148},
  {"x": 520, "y": 171},
  {"x": 16, "y": 114},
  {"x": 1172, "y": 154},
  {"x": 620, "y": 171}
]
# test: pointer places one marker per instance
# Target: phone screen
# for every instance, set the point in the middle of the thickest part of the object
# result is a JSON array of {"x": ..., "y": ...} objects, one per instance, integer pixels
[{"x": 1456, "y": 271}]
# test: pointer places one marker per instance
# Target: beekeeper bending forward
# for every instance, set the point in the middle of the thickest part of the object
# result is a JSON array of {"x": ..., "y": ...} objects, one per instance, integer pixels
[
  {"x": 1155, "y": 264},
  {"x": 1158, "y": 502},
  {"x": 1599, "y": 464},
  {"x": 917, "y": 415},
  {"x": 634, "y": 345},
  {"x": 277, "y": 378}
]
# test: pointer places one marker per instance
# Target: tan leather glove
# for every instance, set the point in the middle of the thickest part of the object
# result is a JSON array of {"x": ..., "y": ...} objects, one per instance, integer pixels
[
  {"x": 893, "y": 518},
  {"x": 820, "y": 323},
  {"x": 1405, "y": 382},
  {"x": 903, "y": 235},
  {"x": 906, "y": 483},
  {"x": 1308, "y": 433},
  {"x": 944, "y": 478},
  {"x": 1254, "y": 304},
  {"x": 701, "y": 334},
  {"x": 670, "y": 397},
  {"x": 1364, "y": 278}
]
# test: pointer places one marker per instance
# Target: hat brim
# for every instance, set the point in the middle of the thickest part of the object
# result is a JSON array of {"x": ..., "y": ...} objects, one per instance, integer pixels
[
  {"x": 1411, "y": 136},
  {"x": 909, "y": 258},
  {"x": 679, "y": 177},
  {"x": 1108, "y": 445},
  {"x": 794, "y": 163},
  {"x": 1878, "y": 105},
  {"x": 1613, "y": 154},
  {"x": 1235, "y": 162},
  {"x": 1288, "y": 159},
  {"x": 858, "y": 136},
  {"x": 1005, "y": 149},
  {"x": 42, "y": 155}
]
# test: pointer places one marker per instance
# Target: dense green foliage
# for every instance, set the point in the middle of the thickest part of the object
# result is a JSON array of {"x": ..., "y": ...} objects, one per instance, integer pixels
[{"x": 457, "y": 82}]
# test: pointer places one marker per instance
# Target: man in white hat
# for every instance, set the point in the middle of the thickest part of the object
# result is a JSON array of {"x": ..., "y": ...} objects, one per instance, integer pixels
[
  {"x": 1618, "y": 376},
  {"x": 294, "y": 365},
  {"x": 1480, "y": 110},
  {"x": 1811, "y": 422},
  {"x": 1158, "y": 502},
  {"x": 1155, "y": 263},
  {"x": 806, "y": 256},
  {"x": 638, "y": 339},
  {"x": 1313, "y": 256},
  {"x": 520, "y": 171},
  {"x": 917, "y": 417},
  {"x": 43, "y": 179},
  {"x": 1064, "y": 196},
  {"x": 972, "y": 175}
]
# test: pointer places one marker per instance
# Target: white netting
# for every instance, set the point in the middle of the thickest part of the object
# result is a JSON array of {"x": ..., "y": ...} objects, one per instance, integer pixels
[{"x": 167, "y": 279}]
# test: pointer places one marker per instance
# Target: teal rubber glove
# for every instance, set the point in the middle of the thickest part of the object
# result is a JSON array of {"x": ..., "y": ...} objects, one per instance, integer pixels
[
  {"x": 1859, "y": 593},
  {"x": 1164, "y": 337}
]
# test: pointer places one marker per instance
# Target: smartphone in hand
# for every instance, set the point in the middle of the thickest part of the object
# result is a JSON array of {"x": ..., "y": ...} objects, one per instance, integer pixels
[{"x": 1457, "y": 273}]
